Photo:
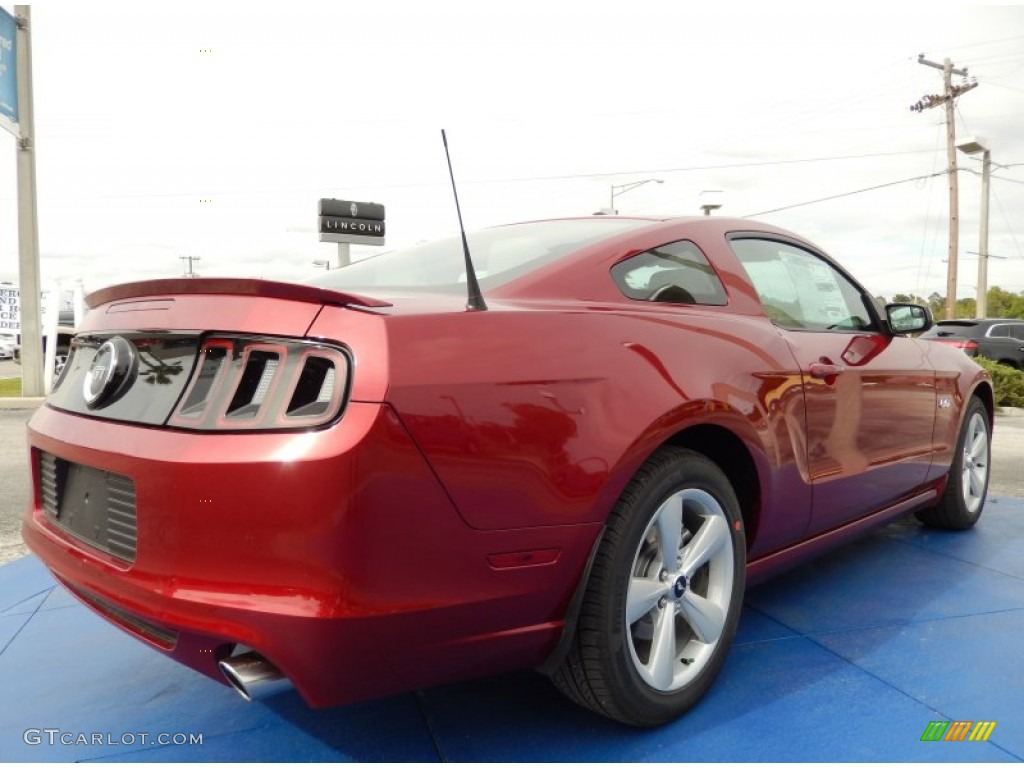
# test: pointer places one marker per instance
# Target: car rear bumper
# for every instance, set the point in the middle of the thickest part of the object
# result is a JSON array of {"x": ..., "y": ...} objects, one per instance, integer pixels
[{"x": 335, "y": 554}]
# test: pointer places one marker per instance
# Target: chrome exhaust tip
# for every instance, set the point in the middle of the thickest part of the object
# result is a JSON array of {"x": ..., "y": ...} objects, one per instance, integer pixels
[{"x": 249, "y": 670}]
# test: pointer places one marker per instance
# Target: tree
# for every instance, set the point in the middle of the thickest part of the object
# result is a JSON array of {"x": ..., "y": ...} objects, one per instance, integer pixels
[
  {"x": 1000, "y": 304},
  {"x": 1005, "y": 304}
]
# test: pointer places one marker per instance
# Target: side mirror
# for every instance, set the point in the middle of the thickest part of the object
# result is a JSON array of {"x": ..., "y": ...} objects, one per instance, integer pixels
[{"x": 908, "y": 318}]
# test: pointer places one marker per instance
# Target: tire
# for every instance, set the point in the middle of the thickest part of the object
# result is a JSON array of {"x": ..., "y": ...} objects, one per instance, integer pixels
[
  {"x": 60, "y": 359},
  {"x": 967, "y": 482},
  {"x": 651, "y": 637}
]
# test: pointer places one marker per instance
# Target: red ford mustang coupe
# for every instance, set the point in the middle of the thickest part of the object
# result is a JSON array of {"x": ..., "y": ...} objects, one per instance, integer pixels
[{"x": 365, "y": 486}]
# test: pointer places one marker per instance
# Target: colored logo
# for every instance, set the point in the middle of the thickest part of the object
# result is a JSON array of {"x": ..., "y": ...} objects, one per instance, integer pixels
[{"x": 958, "y": 730}]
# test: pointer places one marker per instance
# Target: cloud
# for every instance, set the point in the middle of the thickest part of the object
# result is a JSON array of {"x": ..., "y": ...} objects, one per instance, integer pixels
[{"x": 168, "y": 131}]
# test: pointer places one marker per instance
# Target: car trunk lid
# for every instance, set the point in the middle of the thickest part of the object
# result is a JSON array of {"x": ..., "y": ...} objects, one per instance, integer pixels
[{"x": 222, "y": 353}]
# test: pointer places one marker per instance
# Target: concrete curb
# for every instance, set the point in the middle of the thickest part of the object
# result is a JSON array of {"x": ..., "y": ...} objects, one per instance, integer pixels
[{"x": 20, "y": 403}]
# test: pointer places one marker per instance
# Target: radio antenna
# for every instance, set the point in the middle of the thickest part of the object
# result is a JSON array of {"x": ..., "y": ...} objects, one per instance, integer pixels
[{"x": 475, "y": 299}]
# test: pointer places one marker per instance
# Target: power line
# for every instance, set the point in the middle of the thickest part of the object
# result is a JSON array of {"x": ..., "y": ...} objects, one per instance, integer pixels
[
  {"x": 1003, "y": 178},
  {"x": 686, "y": 169},
  {"x": 987, "y": 43},
  {"x": 923, "y": 264},
  {"x": 1007, "y": 222},
  {"x": 847, "y": 194},
  {"x": 518, "y": 179}
]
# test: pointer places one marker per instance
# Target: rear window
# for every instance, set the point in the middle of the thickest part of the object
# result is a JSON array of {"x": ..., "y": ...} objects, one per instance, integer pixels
[
  {"x": 500, "y": 254},
  {"x": 1007, "y": 331},
  {"x": 951, "y": 328},
  {"x": 676, "y": 273}
]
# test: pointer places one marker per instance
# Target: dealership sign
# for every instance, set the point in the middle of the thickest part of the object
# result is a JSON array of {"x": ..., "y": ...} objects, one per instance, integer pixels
[
  {"x": 347, "y": 221},
  {"x": 10, "y": 308},
  {"x": 8, "y": 70}
]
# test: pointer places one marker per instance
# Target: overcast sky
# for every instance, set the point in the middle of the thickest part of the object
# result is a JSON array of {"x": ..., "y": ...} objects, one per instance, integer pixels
[{"x": 212, "y": 130}]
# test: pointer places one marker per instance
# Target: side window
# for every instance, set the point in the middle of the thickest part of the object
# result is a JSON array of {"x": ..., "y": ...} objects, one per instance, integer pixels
[
  {"x": 999, "y": 331},
  {"x": 799, "y": 289},
  {"x": 1017, "y": 332},
  {"x": 676, "y": 273}
]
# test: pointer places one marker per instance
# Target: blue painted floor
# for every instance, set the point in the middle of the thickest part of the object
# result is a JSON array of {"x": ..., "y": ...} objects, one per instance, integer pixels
[{"x": 845, "y": 659}]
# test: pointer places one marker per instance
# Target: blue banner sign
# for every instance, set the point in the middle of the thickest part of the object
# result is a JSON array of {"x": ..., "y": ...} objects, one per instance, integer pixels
[{"x": 8, "y": 68}]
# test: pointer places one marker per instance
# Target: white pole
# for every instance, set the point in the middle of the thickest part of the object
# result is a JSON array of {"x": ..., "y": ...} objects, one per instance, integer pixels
[
  {"x": 28, "y": 227},
  {"x": 51, "y": 317},
  {"x": 78, "y": 302},
  {"x": 982, "y": 302},
  {"x": 344, "y": 255}
]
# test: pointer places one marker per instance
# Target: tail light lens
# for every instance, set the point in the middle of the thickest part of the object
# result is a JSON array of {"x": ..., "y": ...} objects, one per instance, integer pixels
[
  {"x": 248, "y": 384},
  {"x": 967, "y": 345}
]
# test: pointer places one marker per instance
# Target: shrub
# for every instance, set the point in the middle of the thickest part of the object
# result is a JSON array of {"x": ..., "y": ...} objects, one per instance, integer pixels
[{"x": 1008, "y": 382}]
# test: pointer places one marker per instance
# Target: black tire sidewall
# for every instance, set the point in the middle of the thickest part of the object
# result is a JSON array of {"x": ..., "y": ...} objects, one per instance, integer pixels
[
  {"x": 955, "y": 495},
  {"x": 646, "y": 705}
]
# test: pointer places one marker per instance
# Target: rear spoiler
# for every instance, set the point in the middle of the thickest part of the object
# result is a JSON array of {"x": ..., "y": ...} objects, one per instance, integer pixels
[{"x": 231, "y": 286}]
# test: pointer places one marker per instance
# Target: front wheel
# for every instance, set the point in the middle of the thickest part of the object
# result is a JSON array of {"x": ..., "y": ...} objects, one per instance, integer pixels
[
  {"x": 664, "y": 596},
  {"x": 967, "y": 484}
]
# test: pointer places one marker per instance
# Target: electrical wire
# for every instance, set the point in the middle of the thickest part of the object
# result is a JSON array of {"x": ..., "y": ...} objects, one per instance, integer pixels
[
  {"x": 924, "y": 265},
  {"x": 846, "y": 194},
  {"x": 520, "y": 179}
]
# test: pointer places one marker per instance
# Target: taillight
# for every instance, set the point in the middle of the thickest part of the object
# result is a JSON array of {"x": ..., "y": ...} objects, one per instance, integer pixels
[
  {"x": 245, "y": 383},
  {"x": 967, "y": 345}
]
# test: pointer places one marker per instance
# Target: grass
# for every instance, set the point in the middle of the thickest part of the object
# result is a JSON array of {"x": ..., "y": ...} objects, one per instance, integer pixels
[{"x": 10, "y": 387}]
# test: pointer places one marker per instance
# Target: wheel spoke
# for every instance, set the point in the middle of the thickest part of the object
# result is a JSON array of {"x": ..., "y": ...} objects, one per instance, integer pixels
[
  {"x": 705, "y": 617},
  {"x": 712, "y": 536},
  {"x": 663, "y": 650},
  {"x": 642, "y": 596},
  {"x": 977, "y": 481},
  {"x": 670, "y": 530},
  {"x": 978, "y": 445}
]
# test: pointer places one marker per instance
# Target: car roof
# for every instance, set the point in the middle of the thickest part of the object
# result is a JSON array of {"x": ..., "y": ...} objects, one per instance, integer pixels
[
  {"x": 968, "y": 326},
  {"x": 981, "y": 321}
]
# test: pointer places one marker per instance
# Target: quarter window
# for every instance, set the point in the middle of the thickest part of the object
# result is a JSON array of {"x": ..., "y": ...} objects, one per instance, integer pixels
[
  {"x": 676, "y": 273},
  {"x": 800, "y": 290}
]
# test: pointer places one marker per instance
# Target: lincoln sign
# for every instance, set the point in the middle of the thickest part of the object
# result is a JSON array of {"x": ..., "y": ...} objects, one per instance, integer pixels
[{"x": 345, "y": 221}]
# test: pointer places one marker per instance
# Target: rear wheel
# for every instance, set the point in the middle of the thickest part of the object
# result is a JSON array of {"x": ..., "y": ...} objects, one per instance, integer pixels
[
  {"x": 664, "y": 596},
  {"x": 967, "y": 485}
]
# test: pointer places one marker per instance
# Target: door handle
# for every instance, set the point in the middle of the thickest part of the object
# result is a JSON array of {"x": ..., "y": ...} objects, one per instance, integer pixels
[{"x": 825, "y": 371}]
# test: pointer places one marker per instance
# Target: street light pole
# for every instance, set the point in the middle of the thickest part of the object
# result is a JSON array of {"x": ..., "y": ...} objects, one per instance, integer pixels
[
  {"x": 972, "y": 145},
  {"x": 982, "y": 302},
  {"x": 711, "y": 200},
  {"x": 621, "y": 189}
]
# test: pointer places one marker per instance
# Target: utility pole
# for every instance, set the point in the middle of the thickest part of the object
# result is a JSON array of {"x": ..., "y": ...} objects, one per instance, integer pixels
[
  {"x": 949, "y": 94},
  {"x": 28, "y": 224},
  {"x": 189, "y": 271}
]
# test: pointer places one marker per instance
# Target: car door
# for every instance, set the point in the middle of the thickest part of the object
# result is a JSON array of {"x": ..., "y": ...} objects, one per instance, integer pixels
[
  {"x": 869, "y": 396},
  {"x": 1004, "y": 342},
  {"x": 1016, "y": 334}
]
